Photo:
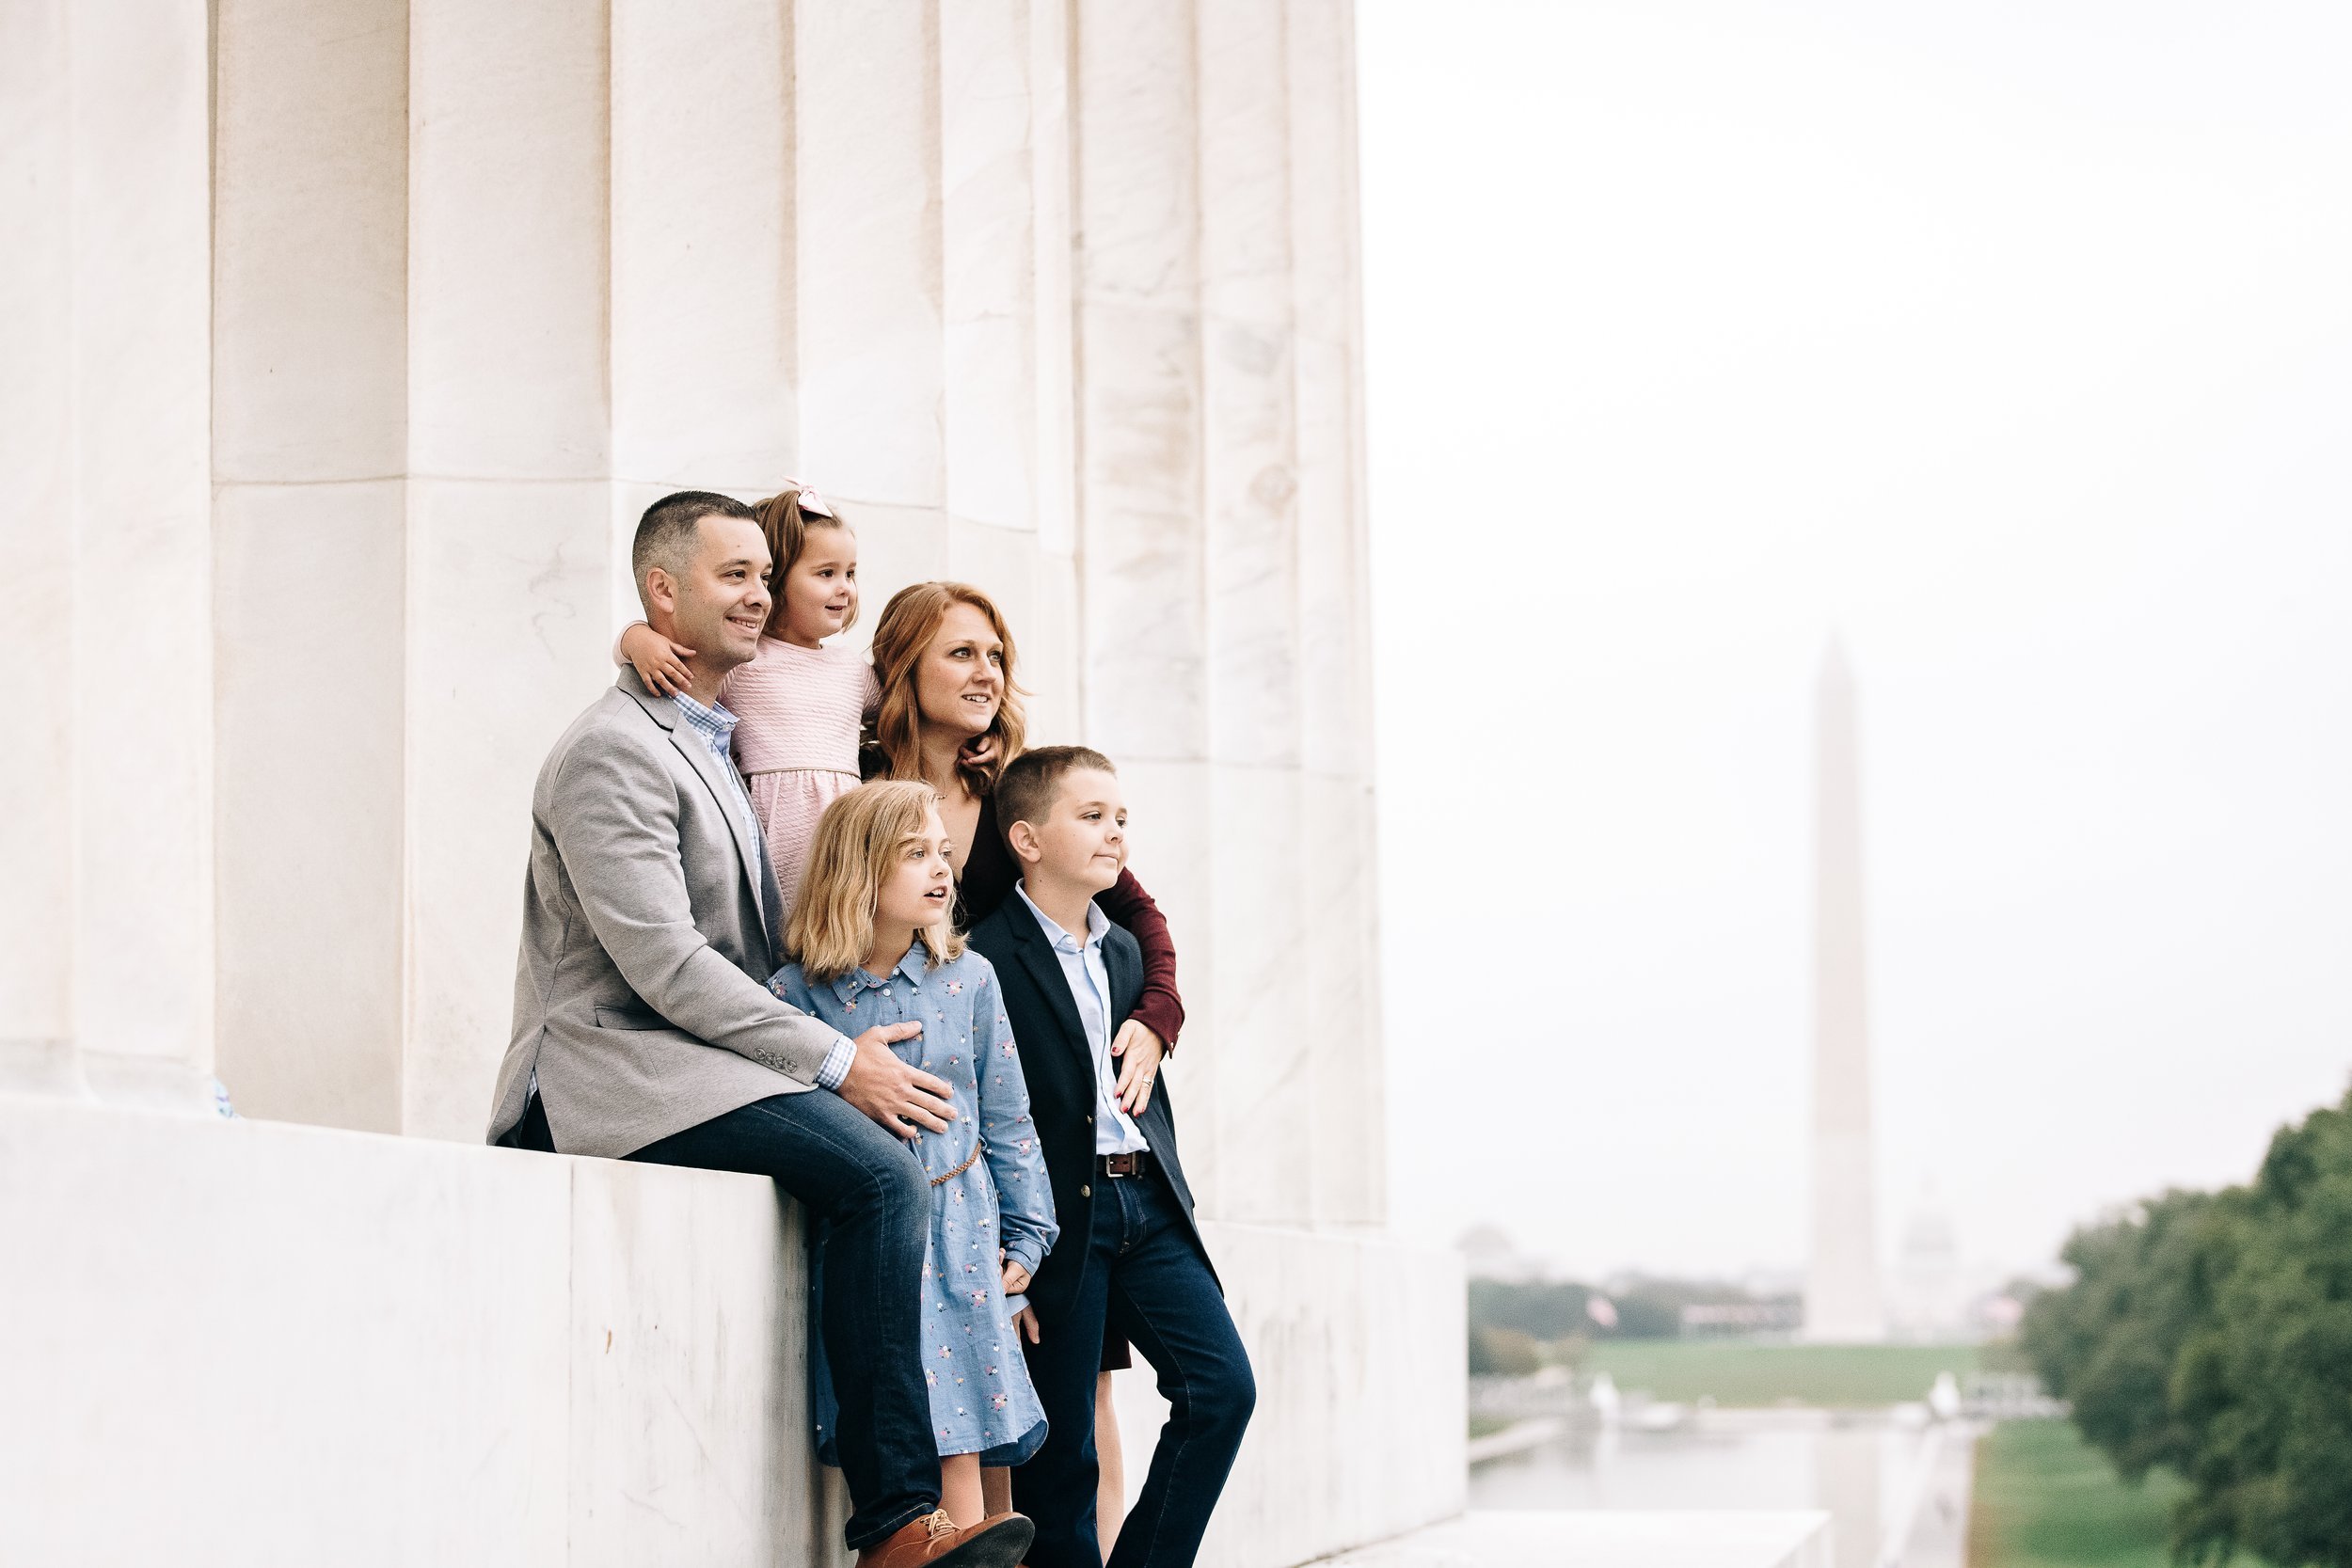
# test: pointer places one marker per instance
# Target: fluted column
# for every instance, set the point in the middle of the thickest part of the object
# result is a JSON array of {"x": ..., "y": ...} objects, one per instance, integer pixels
[
  {"x": 1343, "y": 997},
  {"x": 1256, "y": 931},
  {"x": 1138, "y": 292},
  {"x": 309, "y": 454},
  {"x": 865, "y": 136},
  {"x": 1006, "y": 408},
  {"x": 703, "y": 317},
  {"x": 510, "y": 550}
]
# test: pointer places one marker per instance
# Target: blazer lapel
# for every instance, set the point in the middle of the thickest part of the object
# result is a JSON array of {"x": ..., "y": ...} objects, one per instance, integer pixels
[
  {"x": 705, "y": 763},
  {"x": 1045, "y": 966}
]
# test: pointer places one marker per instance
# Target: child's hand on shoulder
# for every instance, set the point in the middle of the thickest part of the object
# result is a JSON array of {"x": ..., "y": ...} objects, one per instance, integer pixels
[{"x": 659, "y": 662}]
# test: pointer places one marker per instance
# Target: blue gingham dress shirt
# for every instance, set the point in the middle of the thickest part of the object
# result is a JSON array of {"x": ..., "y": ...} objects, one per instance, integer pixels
[{"x": 716, "y": 726}]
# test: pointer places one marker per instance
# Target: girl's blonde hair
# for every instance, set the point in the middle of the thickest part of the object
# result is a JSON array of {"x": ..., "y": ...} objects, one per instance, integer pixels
[
  {"x": 786, "y": 524},
  {"x": 858, "y": 842},
  {"x": 909, "y": 622}
]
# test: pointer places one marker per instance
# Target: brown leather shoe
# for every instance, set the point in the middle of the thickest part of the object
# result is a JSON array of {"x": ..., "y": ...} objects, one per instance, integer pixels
[{"x": 933, "y": 1542}]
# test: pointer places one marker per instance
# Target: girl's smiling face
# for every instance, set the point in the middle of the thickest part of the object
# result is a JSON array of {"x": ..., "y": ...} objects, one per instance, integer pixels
[
  {"x": 919, "y": 889},
  {"x": 818, "y": 593},
  {"x": 960, "y": 681}
]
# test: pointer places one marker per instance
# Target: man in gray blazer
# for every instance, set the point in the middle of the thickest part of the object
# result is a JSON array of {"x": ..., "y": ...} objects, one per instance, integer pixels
[{"x": 644, "y": 1028}]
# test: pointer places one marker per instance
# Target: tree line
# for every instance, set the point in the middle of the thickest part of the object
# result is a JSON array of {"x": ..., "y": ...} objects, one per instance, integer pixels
[{"x": 2210, "y": 1334}]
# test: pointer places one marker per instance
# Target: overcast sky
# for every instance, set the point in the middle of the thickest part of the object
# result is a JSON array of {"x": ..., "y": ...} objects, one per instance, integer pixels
[{"x": 2014, "y": 340}]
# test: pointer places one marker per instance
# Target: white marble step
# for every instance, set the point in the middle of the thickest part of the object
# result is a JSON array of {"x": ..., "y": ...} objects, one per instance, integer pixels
[{"x": 1597, "y": 1539}]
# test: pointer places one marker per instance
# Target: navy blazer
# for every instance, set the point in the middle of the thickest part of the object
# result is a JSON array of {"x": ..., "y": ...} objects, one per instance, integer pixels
[{"x": 1059, "y": 1066}]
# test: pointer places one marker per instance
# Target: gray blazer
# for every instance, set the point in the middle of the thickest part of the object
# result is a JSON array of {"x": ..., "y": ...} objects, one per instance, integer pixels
[{"x": 651, "y": 922}]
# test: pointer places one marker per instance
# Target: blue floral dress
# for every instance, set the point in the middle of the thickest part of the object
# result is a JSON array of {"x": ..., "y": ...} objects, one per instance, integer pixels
[{"x": 993, "y": 1196}]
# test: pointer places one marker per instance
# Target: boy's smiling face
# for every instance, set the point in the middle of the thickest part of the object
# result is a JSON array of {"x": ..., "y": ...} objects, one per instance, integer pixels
[{"x": 1083, "y": 840}]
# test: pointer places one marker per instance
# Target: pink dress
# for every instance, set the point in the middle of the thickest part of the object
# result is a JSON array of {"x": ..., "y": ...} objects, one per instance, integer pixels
[{"x": 798, "y": 712}]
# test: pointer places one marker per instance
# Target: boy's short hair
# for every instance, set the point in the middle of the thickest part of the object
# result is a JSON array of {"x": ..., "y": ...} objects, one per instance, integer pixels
[{"x": 1027, "y": 788}]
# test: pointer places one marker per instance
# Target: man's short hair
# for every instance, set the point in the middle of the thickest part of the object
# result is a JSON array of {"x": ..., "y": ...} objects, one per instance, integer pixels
[
  {"x": 670, "y": 529},
  {"x": 1030, "y": 784}
]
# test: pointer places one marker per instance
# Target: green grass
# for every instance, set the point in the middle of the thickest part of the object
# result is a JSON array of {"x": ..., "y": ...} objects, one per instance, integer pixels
[
  {"x": 1733, "y": 1372},
  {"x": 2044, "y": 1499}
]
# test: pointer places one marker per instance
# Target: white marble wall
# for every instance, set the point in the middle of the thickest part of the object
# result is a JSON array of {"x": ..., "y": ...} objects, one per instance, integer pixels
[{"x": 468, "y": 1356}]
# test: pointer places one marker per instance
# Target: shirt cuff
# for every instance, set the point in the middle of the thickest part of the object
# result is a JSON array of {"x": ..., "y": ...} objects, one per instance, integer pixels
[
  {"x": 1025, "y": 1251},
  {"x": 837, "y": 1062}
]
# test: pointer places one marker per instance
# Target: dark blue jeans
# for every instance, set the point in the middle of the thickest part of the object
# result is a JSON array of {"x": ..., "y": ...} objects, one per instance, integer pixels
[
  {"x": 1145, "y": 1275},
  {"x": 871, "y": 1190}
]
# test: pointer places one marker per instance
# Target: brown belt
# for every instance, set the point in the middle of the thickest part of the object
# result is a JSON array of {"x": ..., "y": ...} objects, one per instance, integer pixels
[{"x": 1124, "y": 1165}]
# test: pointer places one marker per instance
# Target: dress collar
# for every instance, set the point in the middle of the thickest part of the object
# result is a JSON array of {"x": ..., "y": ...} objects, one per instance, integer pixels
[{"x": 910, "y": 969}]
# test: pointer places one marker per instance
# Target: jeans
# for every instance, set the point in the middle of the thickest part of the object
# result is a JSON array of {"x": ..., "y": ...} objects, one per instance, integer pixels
[
  {"x": 869, "y": 1190},
  {"x": 1144, "y": 1274}
]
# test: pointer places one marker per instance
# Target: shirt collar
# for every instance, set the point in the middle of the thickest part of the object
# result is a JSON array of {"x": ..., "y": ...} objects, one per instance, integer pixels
[
  {"x": 1097, "y": 923},
  {"x": 715, "y": 723}
]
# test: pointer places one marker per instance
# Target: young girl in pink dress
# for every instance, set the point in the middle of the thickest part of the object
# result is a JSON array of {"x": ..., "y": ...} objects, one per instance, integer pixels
[{"x": 800, "y": 703}]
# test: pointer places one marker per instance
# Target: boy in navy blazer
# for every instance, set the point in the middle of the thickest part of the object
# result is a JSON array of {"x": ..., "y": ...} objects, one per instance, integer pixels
[{"x": 1130, "y": 1256}]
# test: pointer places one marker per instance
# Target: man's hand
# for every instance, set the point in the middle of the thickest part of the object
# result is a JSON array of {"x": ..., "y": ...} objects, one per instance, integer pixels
[
  {"x": 980, "y": 750},
  {"x": 1016, "y": 1279},
  {"x": 902, "y": 1099},
  {"x": 1139, "y": 1051}
]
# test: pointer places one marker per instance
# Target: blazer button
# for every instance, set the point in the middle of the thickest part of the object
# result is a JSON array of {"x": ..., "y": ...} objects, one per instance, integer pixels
[{"x": 1086, "y": 1192}]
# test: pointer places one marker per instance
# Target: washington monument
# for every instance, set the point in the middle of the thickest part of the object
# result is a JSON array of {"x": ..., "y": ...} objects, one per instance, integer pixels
[{"x": 1841, "y": 1288}]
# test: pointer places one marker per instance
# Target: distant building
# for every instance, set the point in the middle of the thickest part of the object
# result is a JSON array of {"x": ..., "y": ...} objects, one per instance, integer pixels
[{"x": 1487, "y": 1253}]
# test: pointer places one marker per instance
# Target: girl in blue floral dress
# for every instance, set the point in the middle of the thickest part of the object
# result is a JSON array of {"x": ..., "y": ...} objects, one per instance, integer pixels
[{"x": 872, "y": 943}]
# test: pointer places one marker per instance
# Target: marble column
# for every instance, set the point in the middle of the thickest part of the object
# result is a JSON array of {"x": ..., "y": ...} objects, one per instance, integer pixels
[
  {"x": 867, "y": 241},
  {"x": 704, "y": 319},
  {"x": 510, "y": 515},
  {"x": 1006, "y": 399},
  {"x": 37, "y": 550},
  {"x": 1343, "y": 993},
  {"x": 309, "y": 454},
  {"x": 1262, "y": 890},
  {"x": 1136, "y": 286},
  {"x": 109, "y": 483}
]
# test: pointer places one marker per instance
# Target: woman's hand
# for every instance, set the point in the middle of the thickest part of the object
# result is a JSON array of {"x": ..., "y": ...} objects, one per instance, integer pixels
[
  {"x": 660, "y": 662},
  {"x": 1016, "y": 1279},
  {"x": 1140, "y": 1050}
]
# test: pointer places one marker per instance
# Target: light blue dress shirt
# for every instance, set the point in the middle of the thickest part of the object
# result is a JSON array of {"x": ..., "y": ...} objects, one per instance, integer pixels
[{"x": 1115, "y": 1131}]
